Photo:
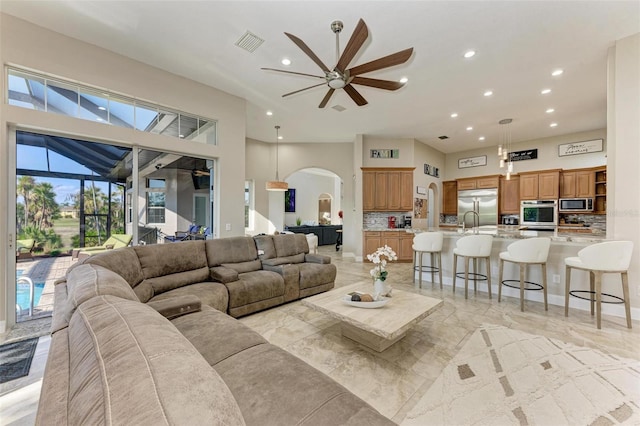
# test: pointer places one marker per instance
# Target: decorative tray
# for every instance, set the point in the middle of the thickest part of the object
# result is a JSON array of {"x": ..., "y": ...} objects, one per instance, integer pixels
[{"x": 368, "y": 305}]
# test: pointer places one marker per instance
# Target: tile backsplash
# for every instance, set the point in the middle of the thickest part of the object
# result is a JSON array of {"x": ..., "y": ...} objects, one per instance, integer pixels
[{"x": 380, "y": 220}]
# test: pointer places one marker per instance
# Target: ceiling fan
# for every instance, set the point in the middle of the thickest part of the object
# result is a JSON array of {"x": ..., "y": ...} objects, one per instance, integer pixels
[{"x": 342, "y": 78}]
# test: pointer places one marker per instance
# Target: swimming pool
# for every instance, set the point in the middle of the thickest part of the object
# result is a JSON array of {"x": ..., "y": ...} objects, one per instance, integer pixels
[{"x": 22, "y": 294}]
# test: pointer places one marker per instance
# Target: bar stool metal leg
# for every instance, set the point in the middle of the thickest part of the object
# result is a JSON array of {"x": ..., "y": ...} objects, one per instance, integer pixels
[
  {"x": 598, "y": 285},
  {"x": 488, "y": 265},
  {"x": 466, "y": 277},
  {"x": 500, "y": 273},
  {"x": 544, "y": 283},
  {"x": 440, "y": 268},
  {"x": 455, "y": 267},
  {"x": 420, "y": 256}
]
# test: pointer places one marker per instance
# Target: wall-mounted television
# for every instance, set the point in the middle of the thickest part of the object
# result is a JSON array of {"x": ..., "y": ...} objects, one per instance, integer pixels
[{"x": 200, "y": 181}]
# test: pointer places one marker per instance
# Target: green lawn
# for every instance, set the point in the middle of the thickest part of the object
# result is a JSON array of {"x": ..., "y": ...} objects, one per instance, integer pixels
[{"x": 66, "y": 228}]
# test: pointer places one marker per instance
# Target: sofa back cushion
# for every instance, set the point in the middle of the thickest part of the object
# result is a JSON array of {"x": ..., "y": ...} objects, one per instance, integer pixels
[
  {"x": 290, "y": 244},
  {"x": 169, "y": 266},
  {"x": 123, "y": 261},
  {"x": 129, "y": 365},
  {"x": 266, "y": 249},
  {"x": 83, "y": 283},
  {"x": 231, "y": 250}
]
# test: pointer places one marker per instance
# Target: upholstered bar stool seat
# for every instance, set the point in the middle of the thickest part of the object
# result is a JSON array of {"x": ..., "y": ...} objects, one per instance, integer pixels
[
  {"x": 611, "y": 257},
  {"x": 531, "y": 251},
  {"x": 431, "y": 243},
  {"x": 473, "y": 247}
]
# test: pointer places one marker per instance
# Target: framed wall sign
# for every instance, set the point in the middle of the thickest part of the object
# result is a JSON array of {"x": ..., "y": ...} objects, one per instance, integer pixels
[
  {"x": 528, "y": 154},
  {"x": 431, "y": 170},
  {"x": 421, "y": 190},
  {"x": 576, "y": 148},
  {"x": 481, "y": 160},
  {"x": 385, "y": 153}
]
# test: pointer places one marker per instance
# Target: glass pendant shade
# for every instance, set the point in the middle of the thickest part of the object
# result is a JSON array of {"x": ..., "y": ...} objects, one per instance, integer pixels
[{"x": 501, "y": 163}]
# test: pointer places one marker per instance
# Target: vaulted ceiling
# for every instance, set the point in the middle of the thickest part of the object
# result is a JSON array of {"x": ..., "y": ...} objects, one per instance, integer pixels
[{"x": 517, "y": 43}]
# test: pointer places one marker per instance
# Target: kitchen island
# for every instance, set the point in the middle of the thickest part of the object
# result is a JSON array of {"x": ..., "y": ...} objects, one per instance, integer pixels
[{"x": 563, "y": 244}]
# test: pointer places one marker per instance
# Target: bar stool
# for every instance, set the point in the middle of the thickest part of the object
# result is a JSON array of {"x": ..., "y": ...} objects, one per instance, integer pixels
[
  {"x": 611, "y": 257},
  {"x": 473, "y": 247},
  {"x": 428, "y": 242},
  {"x": 531, "y": 251}
]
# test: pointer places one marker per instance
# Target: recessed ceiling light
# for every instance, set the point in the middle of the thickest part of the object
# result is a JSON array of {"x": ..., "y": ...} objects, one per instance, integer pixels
[
  {"x": 557, "y": 72},
  {"x": 101, "y": 108},
  {"x": 182, "y": 136},
  {"x": 550, "y": 110},
  {"x": 553, "y": 125},
  {"x": 488, "y": 93},
  {"x": 469, "y": 54},
  {"x": 280, "y": 137},
  {"x": 285, "y": 61},
  {"x": 99, "y": 119},
  {"x": 404, "y": 80},
  {"x": 469, "y": 128},
  {"x": 454, "y": 115},
  {"x": 269, "y": 113},
  {"x": 545, "y": 91},
  {"x": 481, "y": 138}
]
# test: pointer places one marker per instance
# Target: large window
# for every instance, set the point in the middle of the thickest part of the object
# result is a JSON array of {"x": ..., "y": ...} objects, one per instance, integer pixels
[
  {"x": 33, "y": 91},
  {"x": 155, "y": 200}
]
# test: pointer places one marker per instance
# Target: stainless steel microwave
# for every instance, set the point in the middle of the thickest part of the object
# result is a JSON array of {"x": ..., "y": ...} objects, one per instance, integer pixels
[
  {"x": 542, "y": 214},
  {"x": 576, "y": 205}
]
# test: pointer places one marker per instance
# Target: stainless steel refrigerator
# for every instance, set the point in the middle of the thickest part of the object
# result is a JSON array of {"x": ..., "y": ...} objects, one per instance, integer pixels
[{"x": 482, "y": 201}]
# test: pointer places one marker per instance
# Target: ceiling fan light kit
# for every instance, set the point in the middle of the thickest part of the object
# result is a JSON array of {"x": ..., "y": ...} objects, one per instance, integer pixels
[
  {"x": 277, "y": 185},
  {"x": 342, "y": 78}
]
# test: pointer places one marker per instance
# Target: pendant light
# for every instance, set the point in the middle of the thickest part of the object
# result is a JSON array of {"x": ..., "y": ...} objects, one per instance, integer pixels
[
  {"x": 277, "y": 185},
  {"x": 504, "y": 149}
]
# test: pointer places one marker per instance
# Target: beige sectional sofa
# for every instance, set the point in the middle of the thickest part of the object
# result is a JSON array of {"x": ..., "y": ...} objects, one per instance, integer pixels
[{"x": 141, "y": 336}]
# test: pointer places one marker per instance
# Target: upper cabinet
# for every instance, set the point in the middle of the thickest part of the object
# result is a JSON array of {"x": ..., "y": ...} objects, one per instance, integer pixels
[
  {"x": 450, "y": 197},
  {"x": 509, "y": 195},
  {"x": 478, "y": 183},
  {"x": 543, "y": 185},
  {"x": 600, "y": 205},
  {"x": 387, "y": 189},
  {"x": 577, "y": 184}
]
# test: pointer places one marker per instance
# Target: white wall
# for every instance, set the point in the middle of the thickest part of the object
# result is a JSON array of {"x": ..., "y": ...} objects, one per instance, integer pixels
[
  {"x": 308, "y": 188},
  {"x": 547, "y": 156},
  {"x": 28, "y": 46}
]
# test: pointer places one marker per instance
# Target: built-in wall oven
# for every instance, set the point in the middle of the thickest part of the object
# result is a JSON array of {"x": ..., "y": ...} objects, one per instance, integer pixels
[{"x": 540, "y": 214}]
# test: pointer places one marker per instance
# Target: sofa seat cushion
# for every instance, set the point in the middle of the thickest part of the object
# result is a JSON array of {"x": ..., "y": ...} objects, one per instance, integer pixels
[
  {"x": 129, "y": 365},
  {"x": 216, "y": 335},
  {"x": 242, "y": 267},
  {"x": 314, "y": 274},
  {"x": 255, "y": 286},
  {"x": 209, "y": 293},
  {"x": 273, "y": 387}
]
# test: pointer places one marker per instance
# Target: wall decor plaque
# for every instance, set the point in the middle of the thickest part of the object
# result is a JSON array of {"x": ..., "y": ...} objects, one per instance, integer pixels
[
  {"x": 431, "y": 170},
  {"x": 527, "y": 154},
  {"x": 481, "y": 160},
  {"x": 385, "y": 153},
  {"x": 583, "y": 147}
]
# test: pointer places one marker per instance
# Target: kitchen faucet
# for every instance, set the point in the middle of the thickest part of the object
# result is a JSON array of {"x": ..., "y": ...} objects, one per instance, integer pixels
[{"x": 464, "y": 217}]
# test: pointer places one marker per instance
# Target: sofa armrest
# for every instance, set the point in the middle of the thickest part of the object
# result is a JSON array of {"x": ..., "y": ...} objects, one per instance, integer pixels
[
  {"x": 175, "y": 307},
  {"x": 317, "y": 258},
  {"x": 223, "y": 275}
]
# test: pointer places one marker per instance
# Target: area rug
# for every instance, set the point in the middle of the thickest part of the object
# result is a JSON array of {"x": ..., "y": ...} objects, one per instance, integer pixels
[
  {"x": 15, "y": 359},
  {"x": 507, "y": 377}
]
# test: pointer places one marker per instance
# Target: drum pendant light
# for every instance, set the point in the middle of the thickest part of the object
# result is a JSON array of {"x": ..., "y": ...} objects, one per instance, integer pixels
[{"x": 277, "y": 185}]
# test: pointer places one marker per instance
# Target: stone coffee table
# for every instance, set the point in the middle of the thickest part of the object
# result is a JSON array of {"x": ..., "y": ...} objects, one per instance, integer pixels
[{"x": 375, "y": 328}]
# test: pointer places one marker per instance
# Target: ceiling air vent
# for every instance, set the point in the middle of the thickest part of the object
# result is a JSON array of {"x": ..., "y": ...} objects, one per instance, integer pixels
[
  {"x": 443, "y": 137},
  {"x": 249, "y": 41},
  {"x": 338, "y": 108}
]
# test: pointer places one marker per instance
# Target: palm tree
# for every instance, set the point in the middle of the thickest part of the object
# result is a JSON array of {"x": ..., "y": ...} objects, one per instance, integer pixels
[
  {"x": 45, "y": 204},
  {"x": 24, "y": 188}
]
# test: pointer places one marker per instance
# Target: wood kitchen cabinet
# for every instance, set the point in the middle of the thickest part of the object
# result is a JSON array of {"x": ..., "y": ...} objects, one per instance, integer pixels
[
  {"x": 600, "y": 204},
  {"x": 450, "y": 197},
  {"x": 387, "y": 189},
  {"x": 543, "y": 185},
  {"x": 509, "y": 195},
  {"x": 464, "y": 184},
  {"x": 401, "y": 242},
  {"x": 577, "y": 184},
  {"x": 478, "y": 183}
]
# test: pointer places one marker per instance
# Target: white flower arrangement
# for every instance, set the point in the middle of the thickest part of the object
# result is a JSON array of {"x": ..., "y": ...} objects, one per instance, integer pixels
[{"x": 378, "y": 259}]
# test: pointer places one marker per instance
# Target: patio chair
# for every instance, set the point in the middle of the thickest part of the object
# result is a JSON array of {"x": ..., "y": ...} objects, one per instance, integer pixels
[
  {"x": 113, "y": 242},
  {"x": 201, "y": 235},
  {"x": 183, "y": 235},
  {"x": 24, "y": 248}
]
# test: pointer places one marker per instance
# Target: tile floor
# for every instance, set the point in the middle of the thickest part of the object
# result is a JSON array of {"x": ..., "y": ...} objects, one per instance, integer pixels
[{"x": 395, "y": 380}]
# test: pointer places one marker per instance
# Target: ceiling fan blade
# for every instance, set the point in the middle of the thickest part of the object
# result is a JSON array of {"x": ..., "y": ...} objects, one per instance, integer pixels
[
  {"x": 302, "y": 90},
  {"x": 387, "y": 61},
  {"x": 292, "y": 72},
  {"x": 301, "y": 44},
  {"x": 326, "y": 98},
  {"x": 356, "y": 41},
  {"x": 355, "y": 95},
  {"x": 379, "y": 84}
]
